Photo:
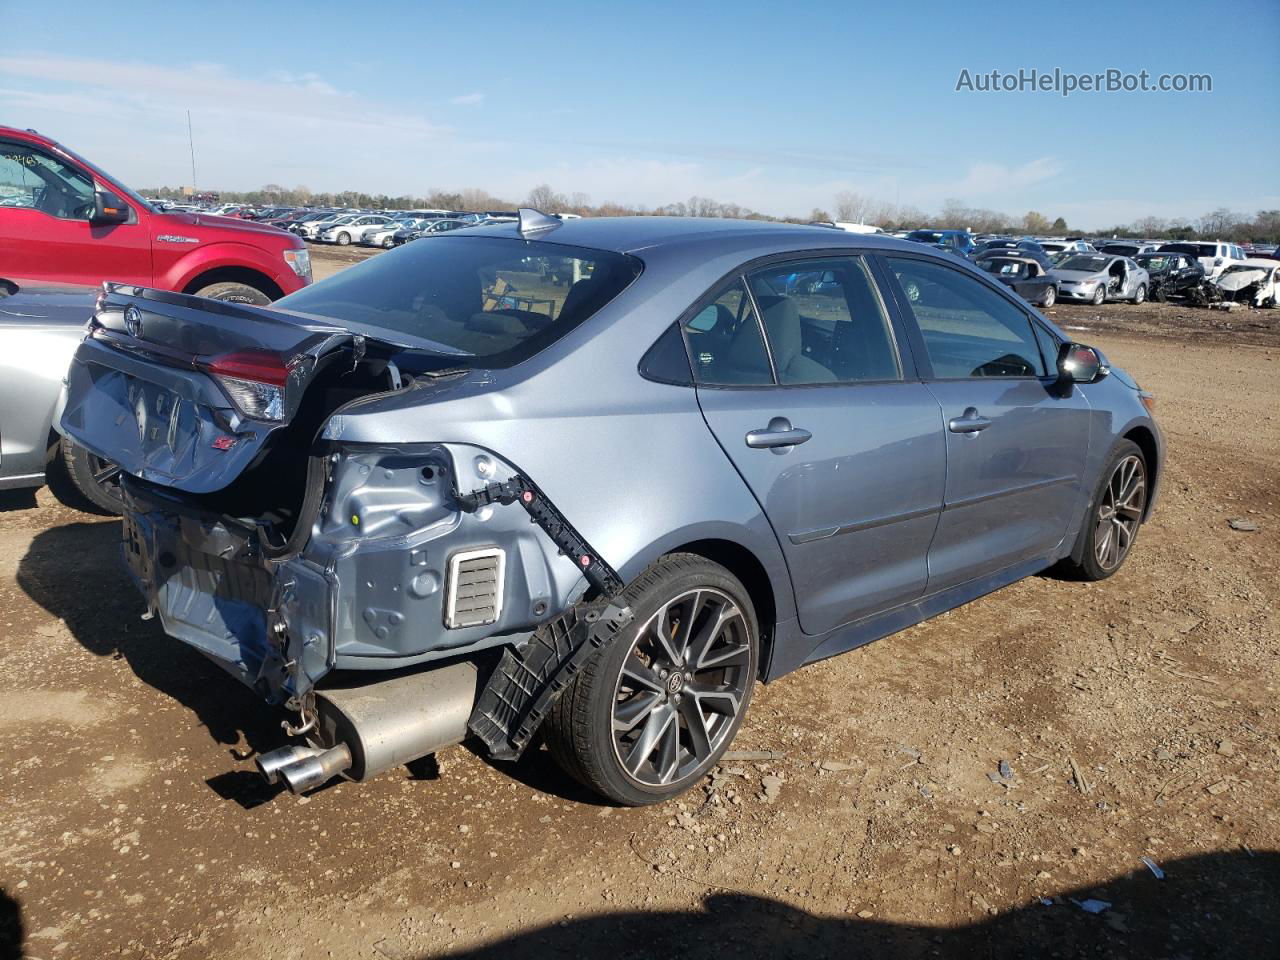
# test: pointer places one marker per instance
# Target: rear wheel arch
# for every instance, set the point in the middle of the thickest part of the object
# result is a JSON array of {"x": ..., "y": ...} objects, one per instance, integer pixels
[
  {"x": 744, "y": 565},
  {"x": 246, "y": 275}
]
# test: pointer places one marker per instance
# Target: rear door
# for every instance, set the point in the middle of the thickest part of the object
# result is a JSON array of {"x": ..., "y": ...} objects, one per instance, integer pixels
[
  {"x": 1016, "y": 444},
  {"x": 828, "y": 426},
  {"x": 45, "y": 232}
]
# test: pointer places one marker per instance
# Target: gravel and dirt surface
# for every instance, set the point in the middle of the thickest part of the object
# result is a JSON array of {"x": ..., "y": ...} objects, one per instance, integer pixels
[{"x": 1134, "y": 717}]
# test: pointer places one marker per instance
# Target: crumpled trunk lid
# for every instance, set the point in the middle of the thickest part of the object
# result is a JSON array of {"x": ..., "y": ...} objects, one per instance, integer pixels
[{"x": 142, "y": 390}]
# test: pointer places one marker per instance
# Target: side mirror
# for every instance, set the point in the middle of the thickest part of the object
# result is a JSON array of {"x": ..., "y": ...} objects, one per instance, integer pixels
[
  {"x": 1080, "y": 364},
  {"x": 108, "y": 208}
]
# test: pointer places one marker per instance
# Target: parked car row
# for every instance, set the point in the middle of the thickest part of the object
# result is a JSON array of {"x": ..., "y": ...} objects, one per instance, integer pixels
[{"x": 1045, "y": 270}]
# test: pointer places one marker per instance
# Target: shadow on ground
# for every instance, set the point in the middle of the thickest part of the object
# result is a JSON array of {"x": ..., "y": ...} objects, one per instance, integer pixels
[
  {"x": 75, "y": 572},
  {"x": 1221, "y": 905},
  {"x": 14, "y": 500}
]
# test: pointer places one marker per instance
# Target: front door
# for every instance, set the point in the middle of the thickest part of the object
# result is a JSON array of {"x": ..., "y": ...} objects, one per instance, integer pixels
[
  {"x": 45, "y": 230},
  {"x": 844, "y": 454},
  {"x": 1016, "y": 443}
]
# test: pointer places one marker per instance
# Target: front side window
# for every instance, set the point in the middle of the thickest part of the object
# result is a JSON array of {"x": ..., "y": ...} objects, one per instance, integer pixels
[
  {"x": 490, "y": 301},
  {"x": 725, "y": 345},
  {"x": 968, "y": 330},
  {"x": 825, "y": 322},
  {"x": 35, "y": 180}
]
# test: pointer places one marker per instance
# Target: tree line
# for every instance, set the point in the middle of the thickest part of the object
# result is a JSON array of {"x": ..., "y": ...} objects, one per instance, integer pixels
[{"x": 1262, "y": 227}]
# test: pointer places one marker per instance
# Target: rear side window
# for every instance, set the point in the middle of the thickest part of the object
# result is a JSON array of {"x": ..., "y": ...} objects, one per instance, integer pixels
[
  {"x": 725, "y": 344},
  {"x": 968, "y": 330},
  {"x": 488, "y": 301},
  {"x": 825, "y": 322}
]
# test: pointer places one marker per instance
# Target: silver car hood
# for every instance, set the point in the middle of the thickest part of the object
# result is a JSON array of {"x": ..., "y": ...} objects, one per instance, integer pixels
[{"x": 1076, "y": 276}]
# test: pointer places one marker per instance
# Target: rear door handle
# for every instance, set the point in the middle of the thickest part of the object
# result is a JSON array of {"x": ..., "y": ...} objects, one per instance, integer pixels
[
  {"x": 779, "y": 433},
  {"x": 971, "y": 422}
]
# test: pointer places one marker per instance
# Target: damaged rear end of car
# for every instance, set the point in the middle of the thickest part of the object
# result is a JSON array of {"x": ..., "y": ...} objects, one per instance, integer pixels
[{"x": 376, "y": 590}]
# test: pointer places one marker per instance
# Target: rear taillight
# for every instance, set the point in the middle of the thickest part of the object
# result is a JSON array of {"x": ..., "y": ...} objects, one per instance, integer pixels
[{"x": 254, "y": 380}]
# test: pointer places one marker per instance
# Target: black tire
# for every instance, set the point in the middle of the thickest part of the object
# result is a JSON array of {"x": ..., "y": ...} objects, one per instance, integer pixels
[
  {"x": 1099, "y": 295},
  {"x": 1049, "y": 298},
  {"x": 343, "y": 238},
  {"x": 580, "y": 730},
  {"x": 234, "y": 292},
  {"x": 388, "y": 243},
  {"x": 1140, "y": 295},
  {"x": 83, "y": 481},
  {"x": 1160, "y": 295},
  {"x": 1089, "y": 566}
]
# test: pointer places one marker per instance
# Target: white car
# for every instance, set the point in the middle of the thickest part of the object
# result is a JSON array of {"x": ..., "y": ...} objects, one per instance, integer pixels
[
  {"x": 311, "y": 229},
  {"x": 1066, "y": 246},
  {"x": 1215, "y": 256},
  {"x": 382, "y": 236},
  {"x": 1255, "y": 281},
  {"x": 353, "y": 229}
]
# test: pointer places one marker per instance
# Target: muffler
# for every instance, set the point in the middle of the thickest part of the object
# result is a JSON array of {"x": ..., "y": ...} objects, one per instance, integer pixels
[{"x": 376, "y": 726}]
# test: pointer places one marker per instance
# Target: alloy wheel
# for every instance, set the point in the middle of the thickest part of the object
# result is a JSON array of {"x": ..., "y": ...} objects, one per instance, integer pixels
[
  {"x": 1120, "y": 512},
  {"x": 681, "y": 685}
]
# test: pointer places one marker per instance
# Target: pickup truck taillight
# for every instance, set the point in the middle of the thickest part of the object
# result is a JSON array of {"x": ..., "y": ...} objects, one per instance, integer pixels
[{"x": 254, "y": 380}]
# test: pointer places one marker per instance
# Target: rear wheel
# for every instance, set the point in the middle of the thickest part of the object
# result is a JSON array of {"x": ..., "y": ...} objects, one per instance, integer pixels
[
  {"x": 83, "y": 480},
  {"x": 234, "y": 292},
  {"x": 1115, "y": 514},
  {"x": 653, "y": 712}
]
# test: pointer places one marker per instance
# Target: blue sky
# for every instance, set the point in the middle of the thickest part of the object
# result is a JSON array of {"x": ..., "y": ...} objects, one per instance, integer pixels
[{"x": 773, "y": 106}]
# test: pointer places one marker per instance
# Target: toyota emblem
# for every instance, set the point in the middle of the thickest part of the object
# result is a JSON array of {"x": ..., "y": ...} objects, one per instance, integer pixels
[{"x": 133, "y": 321}]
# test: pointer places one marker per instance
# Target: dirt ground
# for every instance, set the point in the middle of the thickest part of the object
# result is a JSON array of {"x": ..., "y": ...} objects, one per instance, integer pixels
[{"x": 1138, "y": 717}]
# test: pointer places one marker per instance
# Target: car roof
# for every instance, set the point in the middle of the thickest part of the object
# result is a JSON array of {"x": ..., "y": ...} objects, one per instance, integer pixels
[{"x": 634, "y": 234}]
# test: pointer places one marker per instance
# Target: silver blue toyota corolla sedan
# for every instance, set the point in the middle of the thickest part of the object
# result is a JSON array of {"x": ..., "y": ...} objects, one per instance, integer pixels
[{"x": 594, "y": 479}]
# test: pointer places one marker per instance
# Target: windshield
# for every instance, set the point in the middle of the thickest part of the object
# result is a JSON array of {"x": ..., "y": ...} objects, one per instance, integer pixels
[
  {"x": 1083, "y": 263},
  {"x": 1122, "y": 249},
  {"x": 491, "y": 300},
  {"x": 1155, "y": 264}
]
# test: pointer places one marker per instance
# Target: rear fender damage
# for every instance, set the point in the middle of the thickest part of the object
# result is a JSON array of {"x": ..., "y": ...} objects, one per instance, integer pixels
[{"x": 363, "y": 584}]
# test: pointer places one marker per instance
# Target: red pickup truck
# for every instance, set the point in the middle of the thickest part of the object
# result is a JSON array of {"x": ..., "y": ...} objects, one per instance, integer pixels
[{"x": 64, "y": 220}]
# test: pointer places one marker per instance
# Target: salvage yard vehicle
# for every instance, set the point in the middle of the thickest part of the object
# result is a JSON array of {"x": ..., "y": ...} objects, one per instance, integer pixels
[
  {"x": 1027, "y": 276},
  {"x": 1170, "y": 274},
  {"x": 1215, "y": 257},
  {"x": 1254, "y": 281},
  {"x": 1128, "y": 248},
  {"x": 959, "y": 242},
  {"x": 411, "y": 512},
  {"x": 75, "y": 224},
  {"x": 41, "y": 324},
  {"x": 1096, "y": 278},
  {"x": 352, "y": 229}
]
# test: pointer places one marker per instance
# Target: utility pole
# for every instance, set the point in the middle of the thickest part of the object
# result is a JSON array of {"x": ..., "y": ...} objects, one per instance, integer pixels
[{"x": 192, "y": 145}]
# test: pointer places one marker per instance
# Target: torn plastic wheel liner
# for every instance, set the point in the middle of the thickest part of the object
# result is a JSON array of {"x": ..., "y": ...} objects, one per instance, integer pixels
[{"x": 527, "y": 681}]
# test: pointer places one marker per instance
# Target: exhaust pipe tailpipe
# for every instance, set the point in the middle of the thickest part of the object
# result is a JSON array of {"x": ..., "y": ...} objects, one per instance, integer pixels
[
  {"x": 270, "y": 764},
  {"x": 377, "y": 726},
  {"x": 313, "y": 771}
]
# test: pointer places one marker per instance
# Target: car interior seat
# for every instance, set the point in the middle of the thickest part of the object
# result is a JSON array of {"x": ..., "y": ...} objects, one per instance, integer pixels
[{"x": 782, "y": 321}]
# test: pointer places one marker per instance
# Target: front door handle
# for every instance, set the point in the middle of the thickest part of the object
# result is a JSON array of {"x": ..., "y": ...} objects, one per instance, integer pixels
[
  {"x": 971, "y": 422},
  {"x": 779, "y": 433}
]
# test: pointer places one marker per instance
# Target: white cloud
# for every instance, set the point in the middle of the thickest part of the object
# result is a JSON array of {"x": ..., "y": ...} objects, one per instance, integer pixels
[{"x": 468, "y": 100}]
